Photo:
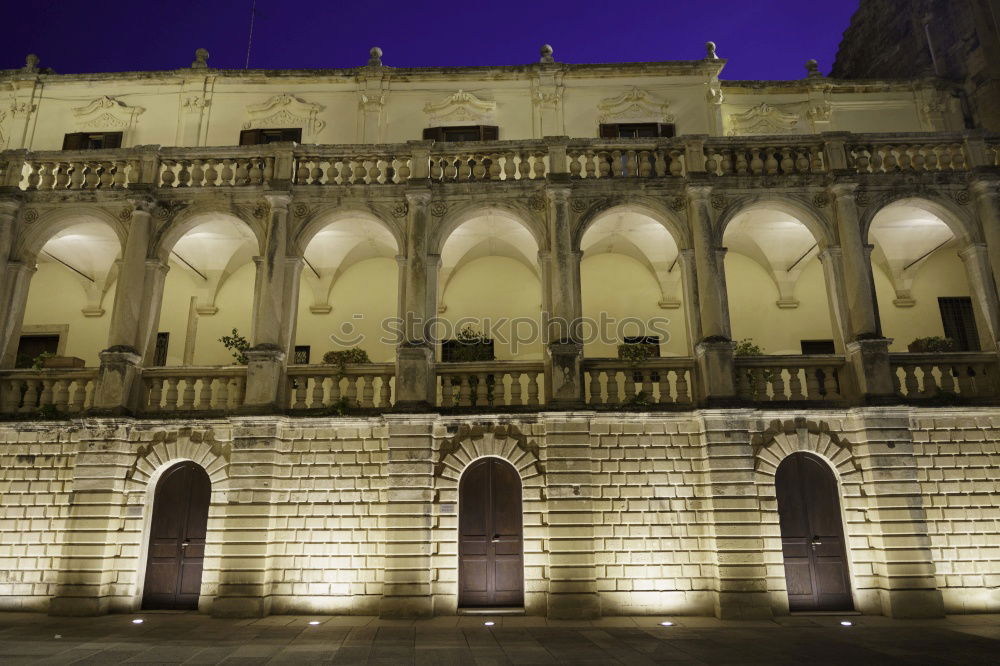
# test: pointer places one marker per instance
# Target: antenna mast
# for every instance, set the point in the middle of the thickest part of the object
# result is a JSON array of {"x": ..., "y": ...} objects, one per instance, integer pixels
[{"x": 253, "y": 14}]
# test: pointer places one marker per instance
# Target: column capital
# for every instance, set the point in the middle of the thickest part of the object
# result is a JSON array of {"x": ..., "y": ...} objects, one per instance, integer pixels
[
  {"x": 985, "y": 186},
  {"x": 830, "y": 252},
  {"x": 278, "y": 202},
  {"x": 8, "y": 209},
  {"x": 699, "y": 191},
  {"x": 558, "y": 192},
  {"x": 841, "y": 188},
  {"x": 971, "y": 250},
  {"x": 143, "y": 205},
  {"x": 418, "y": 196}
]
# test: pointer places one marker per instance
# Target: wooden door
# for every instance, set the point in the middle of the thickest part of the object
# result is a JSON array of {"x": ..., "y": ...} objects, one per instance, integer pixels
[
  {"x": 177, "y": 538},
  {"x": 490, "y": 550},
  {"x": 812, "y": 535}
]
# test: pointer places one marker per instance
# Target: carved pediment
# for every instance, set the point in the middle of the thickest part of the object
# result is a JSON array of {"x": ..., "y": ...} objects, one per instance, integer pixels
[
  {"x": 635, "y": 104},
  {"x": 107, "y": 113},
  {"x": 763, "y": 119},
  {"x": 461, "y": 107},
  {"x": 286, "y": 111}
]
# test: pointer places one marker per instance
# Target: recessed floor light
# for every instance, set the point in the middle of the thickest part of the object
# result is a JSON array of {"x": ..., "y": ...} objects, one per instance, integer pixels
[
  {"x": 489, "y": 623},
  {"x": 313, "y": 621},
  {"x": 137, "y": 621},
  {"x": 666, "y": 624},
  {"x": 846, "y": 623}
]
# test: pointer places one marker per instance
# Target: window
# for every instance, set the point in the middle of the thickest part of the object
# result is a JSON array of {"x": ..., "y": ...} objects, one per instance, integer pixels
[
  {"x": 29, "y": 347},
  {"x": 465, "y": 133},
  {"x": 301, "y": 356},
  {"x": 160, "y": 351},
  {"x": 255, "y": 137},
  {"x": 959, "y": 322},
  {"x": 637, "y": 130},
  {"x": 457, "y": 351},
  {"x": 92, "y": 140},
  {"x": 817, "y": 347}
]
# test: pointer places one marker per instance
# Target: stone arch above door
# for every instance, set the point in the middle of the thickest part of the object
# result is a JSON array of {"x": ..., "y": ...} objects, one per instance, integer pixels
[
  {"x": 782, "y": 438},
  {"x": 199, "y": 446},
  {"x": 505, "y": 441}
]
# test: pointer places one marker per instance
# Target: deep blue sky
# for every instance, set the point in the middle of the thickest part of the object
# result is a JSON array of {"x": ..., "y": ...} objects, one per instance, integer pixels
[{"x": 763, "y": 39}]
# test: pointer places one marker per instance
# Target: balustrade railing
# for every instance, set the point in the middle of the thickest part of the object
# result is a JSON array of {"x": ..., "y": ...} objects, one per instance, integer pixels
[
  {"x": 491, "y": 161},
  {"x": 888, "y": 156},
  {"x": 78, "y": 170},
  {"x": 352, "y": 165},
  {"x": 30, "y": 392},
  {"x": 772, "y": 156},
  {"x": 366, "y": 386},
  {"x": 625, "y": 159},
  {"x": 942, "y": 376},
  {"x": 791, "y": 378},
  {"x": 662, "y": 381},
  {"x": 189, "y": 388},
  {"x": 491, "y": 384},
  {"x": 219, "y": 171}
]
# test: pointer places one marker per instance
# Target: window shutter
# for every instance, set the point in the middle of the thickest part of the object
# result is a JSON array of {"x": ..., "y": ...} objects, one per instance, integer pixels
[
  {"x": 609, "y": 131},
  {"x": 489, "y": 132},
  {"x": 74, "y": 141},
  {"x": 250, "y": 137},
  {"x": 667, "y": 130},
  {"x": 112, "y": 139},
  {"x": 433, "y": 134}
]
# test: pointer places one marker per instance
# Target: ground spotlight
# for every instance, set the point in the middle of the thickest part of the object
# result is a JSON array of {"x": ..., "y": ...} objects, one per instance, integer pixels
[
  {"x": 666, "y": 624},
  {"x": 489, "y": 623},
  {"x": 314, "y": 622},
  {"x": 137, "y": 621},
  {"x": 846, "y": 623}
]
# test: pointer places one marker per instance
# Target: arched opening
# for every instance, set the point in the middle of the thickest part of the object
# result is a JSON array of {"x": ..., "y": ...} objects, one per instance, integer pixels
[
  {"x": 631, "y": 283},
  {"x": 812, "y": 535},
  {"x": 349, "y": 290},
  {"x": 778, "y": 293},
  {"x": 68, "y": 307},
  {"x": 178, "y": 528},
  {"x": 208, "y": 291},
  {"x": 490, "y": 536},
  {"x": 921, "y": 283},
  {"x": 489, "y": 285}
]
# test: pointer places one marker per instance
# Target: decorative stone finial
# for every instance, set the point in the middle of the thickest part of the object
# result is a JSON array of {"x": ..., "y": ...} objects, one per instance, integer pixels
[
  {"x": 375, "y": 57},
  {"x": 813, "y": 68},
  {"x": 546, "y": 52},
  {"x": 710, "y": 51},
  {"x": 200, "y": 59},
  {"x": 30, "y": 64}
]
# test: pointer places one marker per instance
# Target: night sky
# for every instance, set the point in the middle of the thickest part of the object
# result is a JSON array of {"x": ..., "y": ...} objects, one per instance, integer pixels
[{"x": 763, "y": 39}]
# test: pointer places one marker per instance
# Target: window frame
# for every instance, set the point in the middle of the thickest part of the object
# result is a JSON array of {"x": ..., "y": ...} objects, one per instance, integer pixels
[
  {"x": 294, "y": 135},
  {"x": 485, "y": 132},
  {"x": 75, "y": 140},
  {"x": 614, "y": 130}
]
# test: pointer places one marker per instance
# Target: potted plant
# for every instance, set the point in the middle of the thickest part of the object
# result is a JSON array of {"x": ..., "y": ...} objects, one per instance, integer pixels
[
  {"x": 237, "y": 346},
  {"x": 932, "y": 344}
]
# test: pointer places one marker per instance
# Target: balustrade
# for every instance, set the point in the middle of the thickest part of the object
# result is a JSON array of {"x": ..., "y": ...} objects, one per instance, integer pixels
[
  {"x": 625, "y": 160},
  {"x": 613, "y": 382},
  {"x": 891, "y": 157},
  {"x": 357, "y": 167},
  {"x": 734, "y": 158},
  {"x": 491, "y": 384},
  {"x": 235, "y": 171},
  {"x": 942, "y": 376},
  {"x": 365, "y": 386},
  {"x": 72, "y": 171},
  {"x": 193, "y": 389},
  {"x": 489, "y": 163},
  {"x": 791, "y": 378},
  {"x": 30, "y": 392}
]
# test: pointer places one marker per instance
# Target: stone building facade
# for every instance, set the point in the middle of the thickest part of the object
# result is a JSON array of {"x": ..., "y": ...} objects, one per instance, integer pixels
[{"x": 845, "y": 458}]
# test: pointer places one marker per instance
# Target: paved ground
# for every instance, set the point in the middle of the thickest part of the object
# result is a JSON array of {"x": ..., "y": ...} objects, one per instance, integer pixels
[{"x": 189, "y": 638}]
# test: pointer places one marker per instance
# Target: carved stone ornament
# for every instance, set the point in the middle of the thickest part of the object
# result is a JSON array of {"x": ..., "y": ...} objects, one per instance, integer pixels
[
  {"x": 460, "y": 107},
  {"x": 718, "y": 200},
  {"x": 821, "y": 200},
  {"x": 438, "y": 208},
  {"x": 578, "y": 205},
  {"x": 261, "y": 209},
  {"x": 286, "y": 111},
  {"x": 107, "y": 113},
  {"x": 820, "y": 112},
  {"x": 962, "y": 197},
  {"x": 20, "y": 108},
  {"x": 677, "y": 204},
  {"x": 762, "y": 119},
  {"x": 634, "y": 104},
  {"x": 125, "y": 214},
  {"x": 547, "y": 100},
  {"x": 29, "y": 215},
  {"x": 536, "y": 202},
  {"x": 195, "y": 104},
  {"x": 400, "y": 209},
  {"x": 300, "y": 210},
  {"x": 862, "y": 199},
  {"x": 371, "y": 102},
  {"x": 716, "y": 96}
]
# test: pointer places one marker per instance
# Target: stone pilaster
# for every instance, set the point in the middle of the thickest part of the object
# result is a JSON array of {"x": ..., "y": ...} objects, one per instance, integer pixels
[
  {"x": 564, "y": 349},
  {"x": 831, "y": 261},
  {"x": 408, "y": 518},
  {"x": 571, "y": 490},
  {"x": 14, "y": 292},
  {"x": 908, "y": 587},
  {"x": 983, "y": 287},
  {"x": 416, "y": 381},
  {"x": 987, "y": 200},
  {"x": 269, "y": 294},
  {"x": 736, "y": 514},
  {"x": 88, "y": 568},
  {"x": 245, "y": 575}
]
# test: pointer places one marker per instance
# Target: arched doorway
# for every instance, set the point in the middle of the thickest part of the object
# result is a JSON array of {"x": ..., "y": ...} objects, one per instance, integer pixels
[
  {"x": 177, "y": 538},
  {"x": 812, "y": 535},
  {"x": 490, "y": 543}
]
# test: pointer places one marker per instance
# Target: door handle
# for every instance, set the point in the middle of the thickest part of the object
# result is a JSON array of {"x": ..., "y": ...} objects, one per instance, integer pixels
[
  {"x": 815, "y": 542},
  {"x": 496, "y": 538},
  {"x": 186, "y": 543}
]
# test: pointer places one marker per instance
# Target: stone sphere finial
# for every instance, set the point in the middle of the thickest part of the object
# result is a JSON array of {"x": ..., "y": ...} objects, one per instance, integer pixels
[
  {"x": 710, "y": 51},
  {"x": 375, "y": 57},
  {"x": 30, "y": 63},
  {"x": 200, "y": 59},
  {"x": 546, "y": 52},
  {"x": 813, "y": 68}
]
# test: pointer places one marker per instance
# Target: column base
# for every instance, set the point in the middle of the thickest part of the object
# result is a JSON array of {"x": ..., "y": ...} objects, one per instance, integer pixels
[
  {"x": 912, "y": 604},
  {"x": 78, "y": 606},
  {"x": 118, "y": 381},
  {"x": 716, "y": 370},
  {"x": 564, "y": 375},
  {"x": 265, "y": 377},
  {"x": 869, "y": 363},
  {"x": 743, "y": 606},
  {"x": 406, "y": 607},
  {"x": 574, "y": 606},
  {"x": 241, "y": 607}
]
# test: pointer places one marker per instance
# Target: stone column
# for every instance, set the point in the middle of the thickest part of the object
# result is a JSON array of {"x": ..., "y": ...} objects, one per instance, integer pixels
[
  {"x": 245, "y": 575},
  {"x": 570, "y": 488},
  {"x": 8, "y": 212},
  {"x": 975, "y": 256},
  {"x": 152, "y": 303},
  {"x": 265, "y": 388},
  {"x": 714, "y": 349},
  {"x": 689, "y": 285},
  {"x": 867, "y": 351},
  {"x": 416, "y": 382},
  {"x": 831, "y": 259},
  {"x": 17, "y": 280},
  {"x": 564, "y": 348},
  {"x": 889, "y": 469},
  {"x": 87, "y": 571},
  {"x": 987, "y": 195},
  {"x": 409, "y": 518}
]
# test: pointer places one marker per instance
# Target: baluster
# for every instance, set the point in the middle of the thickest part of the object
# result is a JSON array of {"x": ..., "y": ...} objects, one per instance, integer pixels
[
  {"x": 515, "y": 389},
  {"x": 385, "y": 392},
  {"x": 450, "y": 170},
  {"x": 45, "y": 178},
  {"x": 187, "y": 397},
  {"x": 787, "y": 165},
  {"x": 352, "y": 391},
  {"x": 403, "y": 172},
  {"x": 802, "y": 162},
  {"x": 436, "y": 171},
  {"x": 300, "y": 384},
  {"x": 794, "y": 384},
  {"x": 316, "y": 172},
  {"x": 172, "y": 385},
  {"x": 464, "y": 168},
  {"x": 60, "y": 394},
  {"x": 647, "y": 384},
  {"x": 590, "y": 164},
  {"x": 918, "y": 161},
  {"x": 533, "y": 388},
  {"x": 197, "y": 173},
  {"x": 816, "y": 164},
  {"x": 614, "y": 389},
  {"x": 965, "y": 385},
  {"x": 79, "y": 396},
  {"x": 645, "y": 166},
  {"x": 813, "y": 389},
  {"x": 447, "y": 391},
  {"x": 221, "y": 394},
  {"x": 912, "y": 386},
  {"x": 335, "y": 389},
  {"x": 30, "y": 401},
  {"x": 255, "y": 174},
  {"x": 77, "y": 176},
  {"x": 371, "y": 171},
  {"x": 465, "y": 390},
  {"x": 11, "y": 395},
  {"x": 211, "y": 174},
  {"x": 927, "y": 379},
  {"x": 34, "y": 175},
  {"x": 367, "y": 390},
  {"x": 479, "y": 170},
  {"x": 494, "y": 170},
  {"x": 778, "y": 384},
  {"x": 45, "y": 398},
  {"x": 317, "y": 392},
  {"x": 226, "y": 173},
  {"x": 61, "y": 176},
  {"x": 588, "y": 387},
  {"x": 575, "y": 168},
  {"x": 947, "y": 378},
  {"x": 931, "y": 156},
  {"x": 904, "y": 160},
  {"x": 760, "y": 384},
  {"x": 771, "y": 162},
  {"x": 744, "y": 380},
  {"x": 509, "y": 167}
]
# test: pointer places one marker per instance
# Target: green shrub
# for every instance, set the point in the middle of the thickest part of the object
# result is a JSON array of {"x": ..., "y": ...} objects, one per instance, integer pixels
[
  {"x": 237, "y": 346},
  {"x": 933, "y": 343}
]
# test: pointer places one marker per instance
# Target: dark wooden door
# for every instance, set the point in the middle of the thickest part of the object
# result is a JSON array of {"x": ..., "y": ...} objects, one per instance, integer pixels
[
  {"x": 812, "y": 535},
  {"x": 177, "y": 538},
  {"x": 490, "y": 545}
]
